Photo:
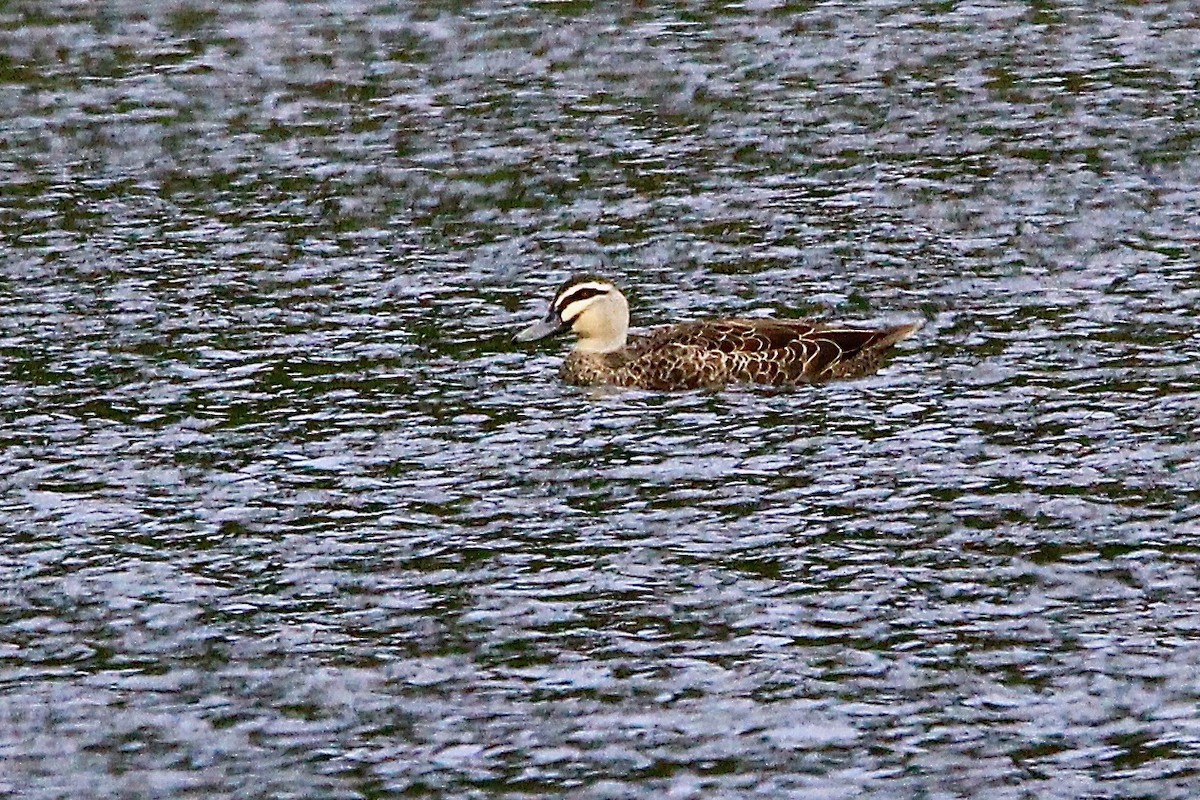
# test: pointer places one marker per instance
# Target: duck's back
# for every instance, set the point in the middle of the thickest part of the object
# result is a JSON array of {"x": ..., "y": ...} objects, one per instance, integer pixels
[{"x": 716, "y": 352}]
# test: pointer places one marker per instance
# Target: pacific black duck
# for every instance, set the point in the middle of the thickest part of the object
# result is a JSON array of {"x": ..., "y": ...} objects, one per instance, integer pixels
[{"x": 708, "y": 353}]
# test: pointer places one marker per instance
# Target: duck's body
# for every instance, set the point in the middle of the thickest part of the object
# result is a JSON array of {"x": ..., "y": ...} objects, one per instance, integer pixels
[
  {"x": 707, "y": 353},
  {"x": 712, "y": 353}
]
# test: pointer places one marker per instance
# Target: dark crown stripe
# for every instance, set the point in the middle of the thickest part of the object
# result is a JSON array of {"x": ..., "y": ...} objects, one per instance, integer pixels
[{"x": 576, "y": 294}]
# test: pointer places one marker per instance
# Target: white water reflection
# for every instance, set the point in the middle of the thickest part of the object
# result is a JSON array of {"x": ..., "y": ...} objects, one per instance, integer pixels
[{"x": 283, "y": 507}]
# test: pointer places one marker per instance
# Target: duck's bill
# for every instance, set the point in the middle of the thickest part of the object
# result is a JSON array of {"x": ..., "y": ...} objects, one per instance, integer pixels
[{"x": 541, "y": 329}]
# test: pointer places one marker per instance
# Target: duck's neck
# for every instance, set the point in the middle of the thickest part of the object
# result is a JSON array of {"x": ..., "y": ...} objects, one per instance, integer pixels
[{"x": 609, "y": 342}]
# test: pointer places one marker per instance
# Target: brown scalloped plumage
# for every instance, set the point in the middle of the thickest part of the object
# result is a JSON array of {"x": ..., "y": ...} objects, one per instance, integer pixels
[{"x": 713, "y": 353}]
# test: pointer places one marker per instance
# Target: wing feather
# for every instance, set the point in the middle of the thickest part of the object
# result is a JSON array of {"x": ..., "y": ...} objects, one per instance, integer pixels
[{"x": 695, "y": 354}]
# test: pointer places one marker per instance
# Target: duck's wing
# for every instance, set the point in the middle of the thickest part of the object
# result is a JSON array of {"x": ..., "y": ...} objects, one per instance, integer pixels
[
  {"x": 841, "y": 352},
  {"x": 774, "y": 350},
  {"x": 733, "y": 335}
]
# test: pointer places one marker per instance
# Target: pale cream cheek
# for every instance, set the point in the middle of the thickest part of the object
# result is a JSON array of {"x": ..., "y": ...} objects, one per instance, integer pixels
[
  {"x": 598, "y": 332},
  {"x": 574, "y": 311},
  {"x": 589, "y": 322},
  {"x": 592, "y": 326}
]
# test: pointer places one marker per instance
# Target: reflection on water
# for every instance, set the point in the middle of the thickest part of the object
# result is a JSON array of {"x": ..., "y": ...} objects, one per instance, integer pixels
[{"x": 285, "y": 511}]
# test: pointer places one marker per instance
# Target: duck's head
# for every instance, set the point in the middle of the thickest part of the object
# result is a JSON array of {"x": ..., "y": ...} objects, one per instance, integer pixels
[{"x": 593, "y": 308}]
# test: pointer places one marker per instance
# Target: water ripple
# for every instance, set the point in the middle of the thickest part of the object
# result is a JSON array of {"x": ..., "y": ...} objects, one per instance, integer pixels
[{"x": 285, "y": 511}]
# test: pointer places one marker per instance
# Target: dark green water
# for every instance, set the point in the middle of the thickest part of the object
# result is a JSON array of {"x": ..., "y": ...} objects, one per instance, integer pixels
[{"x": 285, "y": 513}]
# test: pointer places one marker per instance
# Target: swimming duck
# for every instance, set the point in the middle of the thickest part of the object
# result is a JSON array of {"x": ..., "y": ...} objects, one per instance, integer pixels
[{"x": 707, "y": 353}]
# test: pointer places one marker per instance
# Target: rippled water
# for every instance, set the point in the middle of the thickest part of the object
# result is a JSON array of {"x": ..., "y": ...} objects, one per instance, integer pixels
[{"x": 286, "y": 513}]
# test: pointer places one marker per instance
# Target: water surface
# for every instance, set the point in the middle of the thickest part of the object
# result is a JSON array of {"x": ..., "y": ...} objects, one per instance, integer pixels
[{"x": 286, "y": 513}]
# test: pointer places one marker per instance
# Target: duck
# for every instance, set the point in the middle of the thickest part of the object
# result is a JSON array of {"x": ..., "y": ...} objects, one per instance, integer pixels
[{"x": 705, "y": 353}]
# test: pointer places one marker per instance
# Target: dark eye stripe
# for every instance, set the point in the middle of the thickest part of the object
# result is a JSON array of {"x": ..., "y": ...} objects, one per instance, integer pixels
[{"x": 575, "y": 295}]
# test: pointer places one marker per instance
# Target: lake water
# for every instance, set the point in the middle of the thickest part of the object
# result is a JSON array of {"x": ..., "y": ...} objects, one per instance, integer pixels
[{"x": 284, "y": 512}]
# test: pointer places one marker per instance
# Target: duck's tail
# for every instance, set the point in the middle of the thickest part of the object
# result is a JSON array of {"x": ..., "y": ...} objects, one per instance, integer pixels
[{"x": 896, "y": 333}]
